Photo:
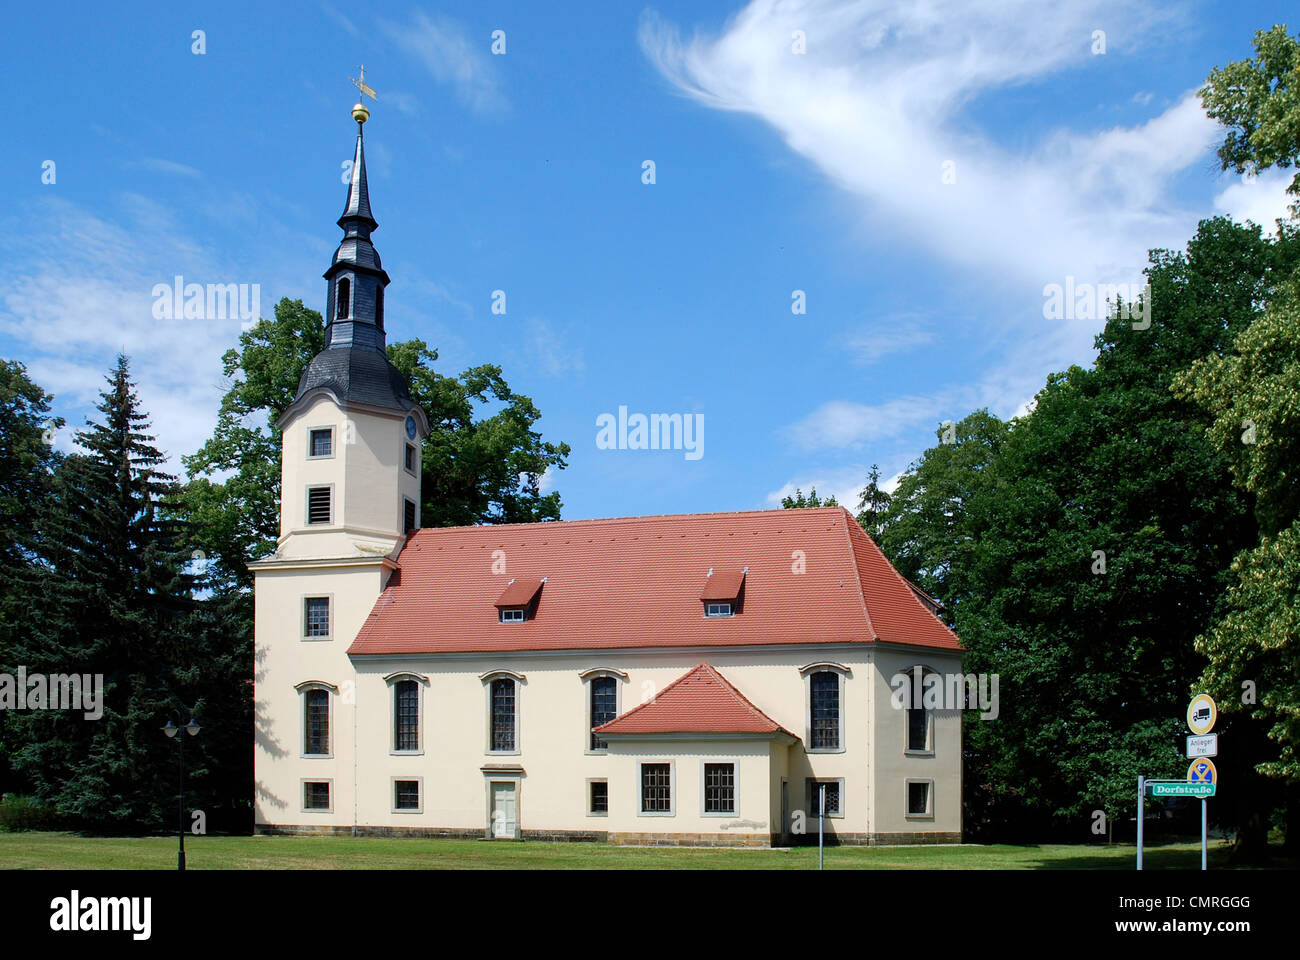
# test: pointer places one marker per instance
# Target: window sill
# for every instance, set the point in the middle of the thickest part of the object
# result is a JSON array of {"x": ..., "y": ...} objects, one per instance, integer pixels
[
  {"x": 918, "y": 753},
  {"x": 406, "y": 753},
  {"x": 598, "y": 815},
  {"x": 396, "y": 810},
  {"x": 715, "y": 813},
  {"x": 316, "y": 639},
  {"x": 502, "y": 753},
  {"x": 315, "y": 756},
  {"x": 657, "y": 813},
  {"x": 812, "y": 750},
  {"x": 918, "y": 816}
]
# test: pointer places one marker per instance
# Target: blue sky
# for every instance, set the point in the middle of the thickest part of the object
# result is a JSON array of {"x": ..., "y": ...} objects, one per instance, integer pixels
[{"x": 775, "y": 171}]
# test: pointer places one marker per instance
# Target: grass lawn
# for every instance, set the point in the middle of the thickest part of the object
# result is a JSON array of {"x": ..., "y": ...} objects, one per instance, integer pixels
[{"x": 72, "y": 852}]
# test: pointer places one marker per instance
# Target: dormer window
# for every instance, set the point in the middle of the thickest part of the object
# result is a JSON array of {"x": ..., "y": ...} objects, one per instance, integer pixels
[
  {"x": 518, "y": 601},
  {"x": 724, "y": 592},
  {"x": 343, "y": 299}
]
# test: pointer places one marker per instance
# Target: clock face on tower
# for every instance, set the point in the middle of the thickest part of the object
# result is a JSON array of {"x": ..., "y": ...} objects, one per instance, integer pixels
[{"x": 410, "y": 427}]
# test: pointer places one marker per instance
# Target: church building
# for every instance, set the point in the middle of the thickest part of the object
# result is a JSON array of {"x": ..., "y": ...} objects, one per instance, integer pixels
[{"x": 702, "y": 679}]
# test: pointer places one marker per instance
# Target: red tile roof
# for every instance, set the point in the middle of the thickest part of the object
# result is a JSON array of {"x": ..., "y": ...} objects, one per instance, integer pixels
[
  {"x": 519, "y": 592},
  {"x": 814, "y": 577},
  {"x": 723, "y": 585},
  {"x": 701, "y": 701}
]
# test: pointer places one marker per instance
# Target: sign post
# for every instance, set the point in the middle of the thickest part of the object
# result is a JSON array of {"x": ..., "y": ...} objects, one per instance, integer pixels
[
  {"x": 1202, "y": 777},
  {"x": 1202, "y": 712},
  {"x": 1142, "y": 796},
  {"x": 821, "y": 829}
]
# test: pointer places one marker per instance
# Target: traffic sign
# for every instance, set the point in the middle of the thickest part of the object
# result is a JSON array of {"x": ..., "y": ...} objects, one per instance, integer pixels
[
  {"x": 1203, "y": 746},
  {"x": 1201, "y": 790},
  {"x": 1201, "y": 714},
  {"x": 1202, "y": 771}
]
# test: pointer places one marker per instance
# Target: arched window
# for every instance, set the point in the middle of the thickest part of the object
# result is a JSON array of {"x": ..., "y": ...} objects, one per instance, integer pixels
[
  {"x": 825, "y": 710},
  {"x": 919, "y": 720},
  {"x": 503, "y": 715},
  {"x": 343, "y": 299},
  {"x": 406, "y": 715},
  {"x": 408, "y": 710},
  {"x": 316, "y": 721},
  {"x": 502, "y": 688},
  {"x": 825, "y": 717},
  {"x": 604, "y": 706}
]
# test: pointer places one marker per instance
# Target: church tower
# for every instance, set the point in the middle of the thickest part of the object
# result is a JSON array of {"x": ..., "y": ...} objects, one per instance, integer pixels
[
  {"x": 351, "y": 438},
  {"x": 349, "y": 495}
]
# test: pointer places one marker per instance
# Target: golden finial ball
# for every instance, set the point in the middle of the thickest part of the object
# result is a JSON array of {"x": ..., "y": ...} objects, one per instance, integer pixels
[{"x": 359, "y": 113}]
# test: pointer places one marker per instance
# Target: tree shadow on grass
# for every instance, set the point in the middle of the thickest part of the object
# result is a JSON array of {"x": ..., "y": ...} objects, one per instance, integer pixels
[{"x": 1160, "y": 857}]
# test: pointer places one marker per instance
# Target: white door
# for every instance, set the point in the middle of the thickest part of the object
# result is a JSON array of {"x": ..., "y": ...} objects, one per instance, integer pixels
[{"x": 505, "y": 817}]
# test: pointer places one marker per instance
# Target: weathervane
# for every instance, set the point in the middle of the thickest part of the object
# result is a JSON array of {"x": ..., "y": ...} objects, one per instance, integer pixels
[{"x": 359, "y": 112}]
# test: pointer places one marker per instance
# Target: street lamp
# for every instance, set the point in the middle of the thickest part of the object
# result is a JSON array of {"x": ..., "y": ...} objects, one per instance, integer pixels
[{"x": 192, "y": 728}]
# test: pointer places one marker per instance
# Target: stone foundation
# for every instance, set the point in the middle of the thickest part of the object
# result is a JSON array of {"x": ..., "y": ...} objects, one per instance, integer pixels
[
  {"x": 754, "y": 840},
  {"x": 873, "y": 839},
  {"x": 690, "y": 839}
]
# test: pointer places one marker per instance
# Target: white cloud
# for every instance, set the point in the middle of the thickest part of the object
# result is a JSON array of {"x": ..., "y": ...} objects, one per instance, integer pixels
[
  {"x": 446, "y": 51},
  {"x": 875, "y": 341},
  {"x": 548, "y": 480},
  {"x": 551, "y": 354},
  {"x": 1263, "y": 201},
  {"x": 843, "y": 483},
  {"x": 84, "y": 294},
  {"x": 157, "y": 165},
  {"x": 880, "y": 102},
  {"x": 338, "y": 17},
  {"x": 876, "y": 104}
]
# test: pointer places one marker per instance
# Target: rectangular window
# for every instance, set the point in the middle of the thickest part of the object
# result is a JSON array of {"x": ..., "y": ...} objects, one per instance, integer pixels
[
  {"x": 503, "y": 716},
  {"x": 406, "y": 794},
  {"x": 918, "y": 798},
  {"x": 406, "y": 715},
  {"x": 599, "y": 797},
  {"x": 321, "y": 443},
  {"x": 316, "y": 725},
  {"x": 408, "y": 515},
  {"x": 604, "y": 706},
  {"x": 824, "y": 689},
  {"x": 656, "y": 788},
  {"x": 316, "y": 616},
  {"x": 719, "y": 788},
  {"x": 319, "y": 504},
  {"x": 316, "y": 795},
  {"x": 512, "y": 615},
  {"x": 834, "y": 791},
  {"x": 718, "y": 610},
  {"x": 410, "y": 458}
]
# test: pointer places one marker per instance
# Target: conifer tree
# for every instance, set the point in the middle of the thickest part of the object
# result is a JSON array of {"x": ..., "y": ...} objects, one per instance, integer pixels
[{"x": 107, "y": 593}]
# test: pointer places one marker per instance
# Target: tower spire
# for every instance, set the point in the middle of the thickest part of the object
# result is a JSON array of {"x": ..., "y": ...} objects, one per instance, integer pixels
[
  {"x": 354, "y": 367},
  {"x": 356, "y": 277}
]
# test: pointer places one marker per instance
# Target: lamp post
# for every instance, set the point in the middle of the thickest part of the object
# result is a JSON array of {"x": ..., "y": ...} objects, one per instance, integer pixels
[{"x": 172, "y": 731}]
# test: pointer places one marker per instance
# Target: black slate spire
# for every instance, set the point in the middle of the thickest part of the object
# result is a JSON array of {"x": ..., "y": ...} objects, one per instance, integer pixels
[{"x": 354, "y": 365}]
